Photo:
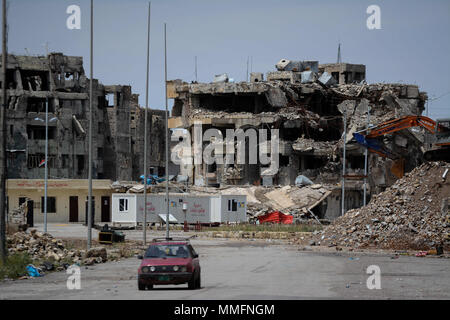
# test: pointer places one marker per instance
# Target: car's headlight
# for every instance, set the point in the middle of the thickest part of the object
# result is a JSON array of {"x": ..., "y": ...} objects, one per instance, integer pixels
[
  {"x": 176, "y": 268},
  {"x": 152, "y": 269},
  {"x": 145, "y": 269}
]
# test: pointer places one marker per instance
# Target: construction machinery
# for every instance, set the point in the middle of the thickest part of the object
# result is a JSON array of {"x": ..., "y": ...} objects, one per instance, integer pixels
[{"x": 436, "y": 142}]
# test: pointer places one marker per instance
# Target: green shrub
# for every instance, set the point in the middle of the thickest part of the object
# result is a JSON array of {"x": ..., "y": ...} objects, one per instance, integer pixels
[{"x": 15, "y": 266}]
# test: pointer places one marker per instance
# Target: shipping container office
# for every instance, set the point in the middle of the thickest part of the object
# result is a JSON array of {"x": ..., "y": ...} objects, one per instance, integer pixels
[{"x": 128, "y": 208}]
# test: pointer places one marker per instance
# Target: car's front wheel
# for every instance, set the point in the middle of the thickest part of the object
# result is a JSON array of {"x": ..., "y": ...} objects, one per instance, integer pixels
[
  {"x": 141, "y": 286},
  {"x": 192, "y": 283},
  {"x": 199, "y": 283}
]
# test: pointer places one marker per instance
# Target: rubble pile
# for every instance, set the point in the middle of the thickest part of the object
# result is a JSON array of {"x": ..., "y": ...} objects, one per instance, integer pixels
[
  {"x": 409, "y": 215},
  {"x": 293, "y": 200},
  {"x": 43, "y": 247}
]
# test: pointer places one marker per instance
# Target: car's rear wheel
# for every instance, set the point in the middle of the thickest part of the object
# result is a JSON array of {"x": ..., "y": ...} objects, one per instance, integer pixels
[
  {"x": 141, "y": 286},
  {"x": 150, "y": 286}
]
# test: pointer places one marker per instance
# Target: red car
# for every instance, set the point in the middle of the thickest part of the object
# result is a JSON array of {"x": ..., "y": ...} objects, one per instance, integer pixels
[{"x": 169, "y": 261}]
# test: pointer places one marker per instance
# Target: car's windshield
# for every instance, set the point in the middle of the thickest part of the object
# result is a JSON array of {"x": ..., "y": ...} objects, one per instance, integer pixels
[{"x": 167, "y": 251}]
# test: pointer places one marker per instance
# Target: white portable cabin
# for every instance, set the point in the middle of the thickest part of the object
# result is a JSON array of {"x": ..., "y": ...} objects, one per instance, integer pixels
[{"x": 128, "y": 208}]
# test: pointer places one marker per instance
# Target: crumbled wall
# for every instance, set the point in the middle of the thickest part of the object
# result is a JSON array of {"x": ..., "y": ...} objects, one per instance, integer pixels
[
  {"x": 310, "y": 117},
  {"x": 62, "y": 80}
]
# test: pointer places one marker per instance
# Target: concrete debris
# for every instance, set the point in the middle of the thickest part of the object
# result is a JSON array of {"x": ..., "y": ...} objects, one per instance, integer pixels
[
  {"x": 43, "y": 247},
  {"x": 326, "y": 79},
  {"x": 314, "y": 147},
  {"x": 293, "y": 200},
  {"x": 221, "y": 78},
  {"x": 412, "y": 214},
  {"x": 18, "y": 216}
]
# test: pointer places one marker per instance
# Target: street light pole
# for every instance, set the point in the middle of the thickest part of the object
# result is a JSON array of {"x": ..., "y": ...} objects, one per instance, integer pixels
[
  {"x": 366, "y": 155},
  {"x": 146, "y": 129},
  {"x": 46, "y": 165},
  {"x": 167, "y": 133},
  {"x": 91, "y": 111},
  {"x": 3, "y": 250},
  {"x": 343, "y": 162}
]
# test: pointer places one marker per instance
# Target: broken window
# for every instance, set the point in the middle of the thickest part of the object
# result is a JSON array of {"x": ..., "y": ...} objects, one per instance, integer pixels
[
  {"x": 34, "y": 80},
  {"x": 80, "y": 164},
  {"x": 235, "y": 103},
  {"x": 110, "y": 100},
  {"x": 11, "y": 159},
  {"x": 38, "y": 105},
  {"x": 10, "y": 80},
  {"x": 65, "y": 161},
  {"x": 101, "y": 102},
  {"x": 38, "y": 132},
  {"x": 12, "y": 102},
  {"x": 355, "y": 162},
  {"x": 69, "y": 76},
  {"x": 284, "y": 161},
  {"x": 314, "y": 162},
  {"x": 359, "y": 76},
  {"x": 335, "y": 75}
]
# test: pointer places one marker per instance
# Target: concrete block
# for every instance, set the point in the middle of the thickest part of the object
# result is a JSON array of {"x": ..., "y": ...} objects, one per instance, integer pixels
[
  {"x": 220, "y": 78},
  {"x": 412, "y": 92},
  {"x": 308, "y": 76},
  {"x": 327, "y": 79},
  {"x": 256, "y": 77}
]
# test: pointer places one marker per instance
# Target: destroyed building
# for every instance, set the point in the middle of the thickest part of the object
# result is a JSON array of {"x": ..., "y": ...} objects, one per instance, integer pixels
[
  {"x": 306, "y": 102},
  {"x": 118, "y": 123}
]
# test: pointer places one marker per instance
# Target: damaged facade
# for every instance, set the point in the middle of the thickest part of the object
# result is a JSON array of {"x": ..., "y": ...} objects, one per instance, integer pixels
[
  {"x": 118, "y": 123},
  {"x": 306, "y": 102}
]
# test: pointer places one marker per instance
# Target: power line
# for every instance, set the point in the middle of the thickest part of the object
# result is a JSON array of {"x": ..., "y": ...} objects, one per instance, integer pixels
[{"x": 443, "y": 95}]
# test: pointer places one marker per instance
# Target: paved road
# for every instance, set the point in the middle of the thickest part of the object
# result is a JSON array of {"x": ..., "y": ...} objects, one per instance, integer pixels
[{"x": 233, "y": 269}]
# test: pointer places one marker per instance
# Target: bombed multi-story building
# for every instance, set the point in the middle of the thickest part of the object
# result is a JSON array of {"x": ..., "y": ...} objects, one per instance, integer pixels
[
  {"x": 117, "y": 129},
  {"x": 312, "y": 106}
]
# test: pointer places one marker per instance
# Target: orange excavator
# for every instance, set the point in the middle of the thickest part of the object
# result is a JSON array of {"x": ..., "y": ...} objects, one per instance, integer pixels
[{"x": 436, "y": 144}]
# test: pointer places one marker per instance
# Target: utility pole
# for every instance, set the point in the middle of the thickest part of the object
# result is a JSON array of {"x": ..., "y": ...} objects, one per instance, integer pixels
[
  {"x": 167, "y": 132},
  {"x": 3, "y": 250},
  {"x": 366, "y": 154},
  {"x": 247, "y": 69},
  {"x": 339, "y": 59},
  {"x": 91, "y": 111},
  {"x": 144, "y": 227},
  {"x": 343, "y": 162},
  {"x": 196, "y": 78}
]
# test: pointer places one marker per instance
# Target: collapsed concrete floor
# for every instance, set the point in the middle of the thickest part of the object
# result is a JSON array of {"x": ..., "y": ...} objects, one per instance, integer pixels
[{"x": 310, "y": 116}]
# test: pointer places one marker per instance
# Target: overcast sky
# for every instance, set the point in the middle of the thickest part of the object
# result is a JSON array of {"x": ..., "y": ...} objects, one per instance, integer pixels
[{"x": 412, "y": 46}]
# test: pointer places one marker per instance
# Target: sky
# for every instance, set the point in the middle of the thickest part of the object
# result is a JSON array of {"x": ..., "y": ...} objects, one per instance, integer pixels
[{"x": 412, "y": 45}]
